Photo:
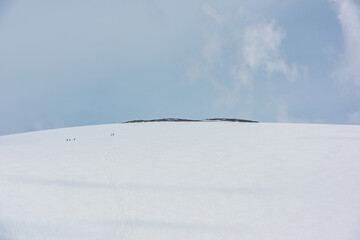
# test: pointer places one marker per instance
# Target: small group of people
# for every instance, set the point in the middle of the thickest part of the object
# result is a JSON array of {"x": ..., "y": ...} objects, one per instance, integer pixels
[{"x": 73, "y": 139}]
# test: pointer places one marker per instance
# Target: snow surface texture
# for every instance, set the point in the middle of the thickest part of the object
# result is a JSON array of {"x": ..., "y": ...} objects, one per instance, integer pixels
[{"x": 198, "y": 180}]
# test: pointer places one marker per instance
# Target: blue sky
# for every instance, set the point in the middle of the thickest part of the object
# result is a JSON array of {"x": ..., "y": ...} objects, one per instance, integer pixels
[{"x": 71, "y": 63}]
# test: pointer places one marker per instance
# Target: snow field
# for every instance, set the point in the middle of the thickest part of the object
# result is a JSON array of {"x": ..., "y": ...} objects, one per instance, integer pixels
[{"x": 201, "y": 180}]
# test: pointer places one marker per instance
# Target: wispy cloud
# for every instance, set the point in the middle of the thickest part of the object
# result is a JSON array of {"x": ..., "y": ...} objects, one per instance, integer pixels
[
  {"x": 237, "y": 47},
  {"x": 348, "y": 13},
  {"x": 212, "y": 49},
  {"x": 211, "y": 58}
]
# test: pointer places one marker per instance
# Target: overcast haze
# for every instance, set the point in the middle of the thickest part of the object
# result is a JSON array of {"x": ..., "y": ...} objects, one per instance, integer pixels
[{"x": 71, "y": 63}]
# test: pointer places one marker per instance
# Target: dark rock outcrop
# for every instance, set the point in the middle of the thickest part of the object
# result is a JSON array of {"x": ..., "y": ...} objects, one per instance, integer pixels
[{"x": 191, "y": 120}]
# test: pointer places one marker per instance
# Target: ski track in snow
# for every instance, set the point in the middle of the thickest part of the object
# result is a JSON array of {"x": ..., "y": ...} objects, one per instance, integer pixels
[{"x": 183, "y": 180}]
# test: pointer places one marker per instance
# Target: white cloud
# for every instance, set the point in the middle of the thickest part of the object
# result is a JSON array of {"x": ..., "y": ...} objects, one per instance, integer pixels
[
  {"x": 260, "y": 51},
  {"x": 262, "y": 43},
  {"x": 238, "y": 47},
  {"x": 348, "y": 14}
]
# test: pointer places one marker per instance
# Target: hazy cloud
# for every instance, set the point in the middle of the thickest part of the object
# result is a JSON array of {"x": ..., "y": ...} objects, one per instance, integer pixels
[
  {"x": 282, "y": 113},
  {"x": 354, "y": 118},
  {"x": 212, "y": 49},
  {"x": 228, "y": 98},
  {"x": 212, "y": 12},
  {"x": 348, "y": 13}
]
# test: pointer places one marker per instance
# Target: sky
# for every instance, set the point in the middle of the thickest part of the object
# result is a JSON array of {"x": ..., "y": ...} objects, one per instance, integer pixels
[{"x": 73, "y": 63}]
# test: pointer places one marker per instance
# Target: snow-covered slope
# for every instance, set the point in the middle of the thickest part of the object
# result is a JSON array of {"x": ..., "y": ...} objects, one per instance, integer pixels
[{"x": 198, "y": 180}]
